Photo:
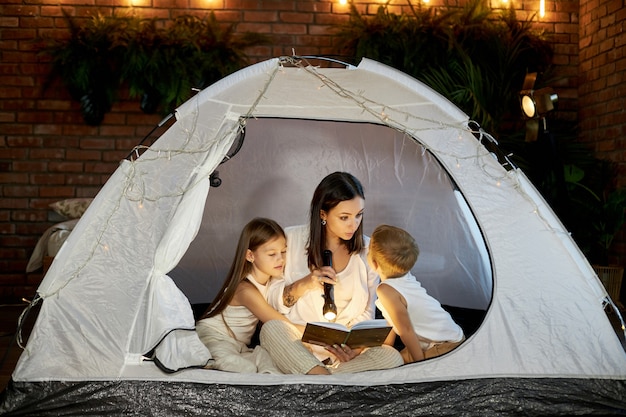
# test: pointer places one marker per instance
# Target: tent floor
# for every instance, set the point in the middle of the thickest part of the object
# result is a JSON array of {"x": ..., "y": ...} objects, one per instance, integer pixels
[{"x": 480, "y": 397}]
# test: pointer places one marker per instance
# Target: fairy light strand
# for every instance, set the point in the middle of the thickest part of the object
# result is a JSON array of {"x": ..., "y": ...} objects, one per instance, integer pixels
[{"x": 134, "y": 187}]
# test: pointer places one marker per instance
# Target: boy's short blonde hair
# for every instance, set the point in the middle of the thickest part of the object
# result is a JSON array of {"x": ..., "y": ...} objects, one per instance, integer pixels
[{"x": 394, "y": 250}]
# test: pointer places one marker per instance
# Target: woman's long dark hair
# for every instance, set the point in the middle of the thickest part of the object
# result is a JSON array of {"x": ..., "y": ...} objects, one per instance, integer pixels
[
  {"x": 332, "y": 190},
  {"x": 254, "y": 234}
]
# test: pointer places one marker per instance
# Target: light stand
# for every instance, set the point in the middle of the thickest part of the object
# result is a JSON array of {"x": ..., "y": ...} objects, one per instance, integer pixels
[{"x": 535, "y": 105}]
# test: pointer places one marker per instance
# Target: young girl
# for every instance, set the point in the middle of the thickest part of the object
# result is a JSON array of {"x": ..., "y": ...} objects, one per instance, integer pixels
[{"x": 231, "y": 320}]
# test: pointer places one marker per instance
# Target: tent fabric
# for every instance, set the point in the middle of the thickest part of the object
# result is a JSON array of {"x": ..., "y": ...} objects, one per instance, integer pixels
[{"x": 113, "y": 294}]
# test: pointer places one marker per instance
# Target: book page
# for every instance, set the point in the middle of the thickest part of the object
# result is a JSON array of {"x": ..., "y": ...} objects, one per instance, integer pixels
[
  {"x": 331, "y": 325},
  {"x": 369, "y": 324}
]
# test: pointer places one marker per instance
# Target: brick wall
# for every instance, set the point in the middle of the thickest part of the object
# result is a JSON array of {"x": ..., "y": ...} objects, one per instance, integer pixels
[
  {"x": 47, "y": 153},
  {"x": 602, "y": 89}
]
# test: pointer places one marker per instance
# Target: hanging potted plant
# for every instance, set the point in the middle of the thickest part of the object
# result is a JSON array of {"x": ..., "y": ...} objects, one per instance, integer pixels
[
  {"x": 164, "y": 65},
  {"x": 88, "y": 63},
  {"x": 474, "y": 56},
  {"x": 143, "y": 65}
]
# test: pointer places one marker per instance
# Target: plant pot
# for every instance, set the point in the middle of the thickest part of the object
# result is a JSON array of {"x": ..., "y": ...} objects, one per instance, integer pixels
[
  {"x": 93, "y": 106},
  {"x": 611, "y": 277},
  {"x": 150, "y": 101}
]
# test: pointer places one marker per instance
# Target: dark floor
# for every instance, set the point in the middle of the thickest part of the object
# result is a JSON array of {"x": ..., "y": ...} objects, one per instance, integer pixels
[{"x": 10, "y": 351}]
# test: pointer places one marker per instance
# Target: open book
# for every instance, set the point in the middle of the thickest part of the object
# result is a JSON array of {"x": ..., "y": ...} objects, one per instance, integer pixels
[{"x": 364, "y": 334}]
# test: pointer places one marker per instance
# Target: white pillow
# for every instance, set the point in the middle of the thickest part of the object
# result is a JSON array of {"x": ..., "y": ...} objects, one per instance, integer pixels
[{"x": 72, "y": 208}]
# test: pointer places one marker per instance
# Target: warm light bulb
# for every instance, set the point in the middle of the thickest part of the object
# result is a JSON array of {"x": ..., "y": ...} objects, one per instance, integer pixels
[
  {"x": 329, "y": 315},
  {"x": 343, "y": 2},
  {"x": 528, "y": 106},
  {"x": 542, "y": 8}
]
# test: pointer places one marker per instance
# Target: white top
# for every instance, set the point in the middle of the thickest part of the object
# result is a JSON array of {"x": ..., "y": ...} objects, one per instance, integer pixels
[
  {"x": 236, "y": 321},
  {"x": 355, "y": 291},
  {"x": 430, "y": 321}
]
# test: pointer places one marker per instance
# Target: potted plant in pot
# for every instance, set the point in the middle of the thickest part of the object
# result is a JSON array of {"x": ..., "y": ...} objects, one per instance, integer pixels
[
  {"x": 162, "y": 64},
  {"x": 88, "y": 63},
  {"x": 473, "y": 55}
]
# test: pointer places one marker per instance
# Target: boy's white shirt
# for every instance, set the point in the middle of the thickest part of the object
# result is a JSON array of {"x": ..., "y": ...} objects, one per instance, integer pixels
[{"x": 430, "y": 321}]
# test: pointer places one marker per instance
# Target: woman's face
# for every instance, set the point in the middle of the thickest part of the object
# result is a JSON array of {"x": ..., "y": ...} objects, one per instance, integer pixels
[{"x": 343, "y": 220}]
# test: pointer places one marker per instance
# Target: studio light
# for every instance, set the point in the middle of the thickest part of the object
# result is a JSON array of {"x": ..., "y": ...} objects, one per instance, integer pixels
[
  {"x": 535, "y": 105},
  {"x": 538, "y": 103}
]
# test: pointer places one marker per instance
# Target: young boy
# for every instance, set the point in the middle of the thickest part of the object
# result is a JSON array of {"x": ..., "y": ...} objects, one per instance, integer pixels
[{"x": 426, "y": 329}]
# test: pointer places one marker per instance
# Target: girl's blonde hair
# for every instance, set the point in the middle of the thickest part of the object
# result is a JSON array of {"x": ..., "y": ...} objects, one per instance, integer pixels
[
  {"x": 254, "y": 234},
  {"x": 394, "y": 250}
]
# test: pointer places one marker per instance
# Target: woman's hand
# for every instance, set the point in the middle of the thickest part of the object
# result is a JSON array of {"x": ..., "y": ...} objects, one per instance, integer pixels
[
  {"x": 344, "y": 353},
  {"x": 314, "y": 281},
  {"x": 318, "y": 277}
]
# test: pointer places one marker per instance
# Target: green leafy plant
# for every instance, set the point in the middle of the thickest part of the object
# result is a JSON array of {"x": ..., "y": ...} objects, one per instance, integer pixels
[
  {"x": 164, "y": 65},
  {"x": 474, "y": 56},
  {"x": 88, "y": 63},
  {"x": 161, "y": 62},
  {"x": 597, "y": 208}
]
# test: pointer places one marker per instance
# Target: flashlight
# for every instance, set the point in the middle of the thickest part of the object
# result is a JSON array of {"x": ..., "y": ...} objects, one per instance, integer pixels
[{"x": 330, "y": 309}]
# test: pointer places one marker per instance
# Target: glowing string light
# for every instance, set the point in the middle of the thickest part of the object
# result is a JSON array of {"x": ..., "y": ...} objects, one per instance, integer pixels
[{"x": 195, "y": 144}]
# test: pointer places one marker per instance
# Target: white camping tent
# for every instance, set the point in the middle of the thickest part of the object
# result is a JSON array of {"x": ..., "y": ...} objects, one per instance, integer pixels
[{"x": 490, "y": 244}]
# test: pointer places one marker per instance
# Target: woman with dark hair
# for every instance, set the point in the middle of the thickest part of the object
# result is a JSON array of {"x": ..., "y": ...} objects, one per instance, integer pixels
[{"x": 335, "y": 225}]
